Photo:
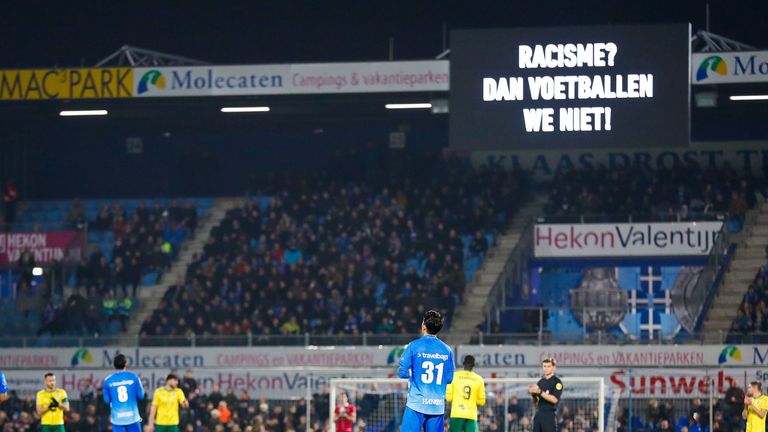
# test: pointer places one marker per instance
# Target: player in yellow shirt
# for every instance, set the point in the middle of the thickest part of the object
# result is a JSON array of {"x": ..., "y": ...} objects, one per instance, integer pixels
[
  {"x": 755, "y": 408},
  {"x": 165, "y": 406},
  {"x": 466, "y": 393},
  {"x": 51, "y": 404}
]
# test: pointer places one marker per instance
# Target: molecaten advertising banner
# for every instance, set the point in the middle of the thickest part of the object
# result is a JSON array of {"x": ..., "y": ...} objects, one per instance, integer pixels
[
  {"x": 487, "y": 356},
  {"x": 624, "y": 239},
  {"x": 317, "y": 78},
  {"x": 297, "y": 383},
  {"x": 494, "y": 356},
  {"x": 729, "y": 67},
  {"x": 183, "y": 358}
]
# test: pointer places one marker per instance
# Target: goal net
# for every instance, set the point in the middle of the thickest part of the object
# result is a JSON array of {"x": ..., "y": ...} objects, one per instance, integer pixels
[{"x": 380, "y": 402}]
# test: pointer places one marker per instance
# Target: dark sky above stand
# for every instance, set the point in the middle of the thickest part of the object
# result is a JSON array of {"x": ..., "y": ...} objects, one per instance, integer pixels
[{"x": 78, "y": 33}]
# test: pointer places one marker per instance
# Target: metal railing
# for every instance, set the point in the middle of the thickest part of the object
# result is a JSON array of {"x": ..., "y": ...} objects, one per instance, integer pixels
[
  {"x": 244, "y": 340},
  {"x": 515, "y": 272},
  {"x": 538, "y": 335},
  {"x": 700, "y": 297},
  {"x": 629, "y": 218}
]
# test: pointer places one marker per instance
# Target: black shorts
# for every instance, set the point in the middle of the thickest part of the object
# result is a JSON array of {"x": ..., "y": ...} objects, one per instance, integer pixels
[{"x": 544, "y": 421}]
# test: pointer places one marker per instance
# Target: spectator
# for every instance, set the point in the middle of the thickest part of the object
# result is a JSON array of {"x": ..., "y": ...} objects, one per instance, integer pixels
[
  {"x": 224, "y": 413},
  {"x": 738, "y": 208},
  {"x": 345, "y": 415},
  {"x": 10, "y": 200},
  {"x": 215, "y": 395},
  {"x": 87, "y": 392},
  {"x": 751, "y": 298},
  {"x": 742, "y": 323},
  {"x": 663, "y": 426},
  {"x": 188, "y": 383},
  {"x": 76, "y": 215},
  {"x": 26, "y": 264},
  {"x": 327, "y": 258},
  {"x": 479, "y": 245}
]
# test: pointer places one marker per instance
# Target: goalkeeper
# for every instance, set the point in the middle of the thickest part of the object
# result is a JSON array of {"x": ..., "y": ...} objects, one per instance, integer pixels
[
  {"x": 466, "y": 393},
  {"x": 51, "y": 404}
]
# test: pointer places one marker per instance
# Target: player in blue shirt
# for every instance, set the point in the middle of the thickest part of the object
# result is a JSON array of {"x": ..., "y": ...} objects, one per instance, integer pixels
[
  {"x": 428, "y": 365},
  {"x": 3, "y": 387},
  {"x": 122, "y": 392}
]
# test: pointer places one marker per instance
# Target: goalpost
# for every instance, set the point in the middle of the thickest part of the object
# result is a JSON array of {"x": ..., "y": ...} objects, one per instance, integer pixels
[{"x": 508, "y": 408}]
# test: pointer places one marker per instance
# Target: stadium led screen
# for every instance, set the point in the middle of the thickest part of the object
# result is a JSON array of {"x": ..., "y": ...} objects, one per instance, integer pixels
[{"x": 570, "y": 87}]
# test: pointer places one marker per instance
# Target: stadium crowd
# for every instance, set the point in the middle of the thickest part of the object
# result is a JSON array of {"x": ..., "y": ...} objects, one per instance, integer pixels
[
  {"x": 211, "y": 411},
  {"x": 326, "y": 257},
  {"x": 220, "y": 410},
  {"x": 144, "y": 242},
  {"x": 752, "y": 314},
  {"x": 683, "y": 192}
]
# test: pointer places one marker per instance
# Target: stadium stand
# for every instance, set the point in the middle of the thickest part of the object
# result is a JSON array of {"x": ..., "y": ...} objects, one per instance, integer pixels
[
  {"x": 131, "y": 244},
  {"x": 314, "y": 255},
  {"x": 752, "y": 314},
  {"x": 680, "y": 193}
]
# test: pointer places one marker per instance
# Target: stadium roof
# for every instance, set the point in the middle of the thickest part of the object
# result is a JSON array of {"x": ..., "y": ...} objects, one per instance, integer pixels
[{"x": 58, "y": 34}]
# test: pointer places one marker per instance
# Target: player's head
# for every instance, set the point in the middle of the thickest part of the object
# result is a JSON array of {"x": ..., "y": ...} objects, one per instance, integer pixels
[
  {"x": 50, "y": 381},
  {"x": 172, "y": 381},
  {"x": 469, "y": 363},
  {"x": 433, "y": 322},
  {"x": 120, "y": 362},
  {"x": 548, "y": 365},
  {"x": 755, "y": 388},
  {"x": 343, "y": 398}
]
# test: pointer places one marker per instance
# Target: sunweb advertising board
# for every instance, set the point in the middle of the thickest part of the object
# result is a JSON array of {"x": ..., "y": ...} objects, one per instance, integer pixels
[{"x": 570, "y": 87}]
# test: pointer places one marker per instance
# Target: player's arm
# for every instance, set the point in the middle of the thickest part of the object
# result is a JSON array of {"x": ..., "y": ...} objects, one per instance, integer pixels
[
  {"x": 548, "y": 397},
  {"x": 450, "y": 368},
  {"x": 139, "y": 389},
  {"x": 533, "y": 389},
  {"x": 406, "y": 362},
  {"x": 41, "y": 407},
  {"x": 105, "y": 393},
  {"x": 152, "y": 414},
  {"x": 3, "y": 387},
  {"x": 349, "y": 413},
  {"x": 183, "y": 399},
  {"x": 480, "y": 397},
  {"x": 449, "y": 392},
  {"x": 755, "y": 407},
  {"x": 553, "y": 396},
  {"x": 64, "y": 402}
]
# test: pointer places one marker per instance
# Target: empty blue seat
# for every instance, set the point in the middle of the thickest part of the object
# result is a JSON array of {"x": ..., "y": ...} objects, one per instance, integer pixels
[{"x": 149, "y": 278}]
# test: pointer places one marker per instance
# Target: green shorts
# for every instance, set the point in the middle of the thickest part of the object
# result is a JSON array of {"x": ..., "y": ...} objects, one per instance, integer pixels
[
  {"x": 52, "y": 428},
  {"x": 462, "y": 425},
  {"x": 161, "y": 428}
]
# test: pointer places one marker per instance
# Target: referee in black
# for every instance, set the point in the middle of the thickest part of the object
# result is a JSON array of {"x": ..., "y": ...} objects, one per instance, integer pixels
[{"x": 546, "y": 394}]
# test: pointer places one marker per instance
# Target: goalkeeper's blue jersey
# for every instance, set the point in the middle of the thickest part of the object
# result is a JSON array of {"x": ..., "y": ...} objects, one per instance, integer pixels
[
  {"x": 428, "y": 364},
  {"x": 3, "y": 384},
  {"x": 122, "y": 392}
]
